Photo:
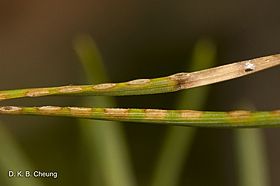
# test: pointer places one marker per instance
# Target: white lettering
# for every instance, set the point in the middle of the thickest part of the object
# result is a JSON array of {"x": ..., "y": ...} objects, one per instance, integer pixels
[
  {"x": 19, "y": 174},
  {"x": 11, "y": 174},
  {"x": 45, "y": 174},
  {"x": 27, "y": 174}
]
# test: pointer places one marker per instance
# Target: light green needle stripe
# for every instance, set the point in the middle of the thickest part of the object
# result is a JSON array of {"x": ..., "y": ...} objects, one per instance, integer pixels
[
  {"x": 13, "y": 158},
  {"x": 105, "y": 143},
  {"x": 192, "y": 118},
  {"x": 173, "y": 155},
  {"x": 170, "y": 83},
  {"x": 251, "y": 157}
]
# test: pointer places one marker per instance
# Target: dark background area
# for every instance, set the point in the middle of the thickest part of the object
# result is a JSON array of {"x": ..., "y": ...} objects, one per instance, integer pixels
[{"x": 137, "y": 39}]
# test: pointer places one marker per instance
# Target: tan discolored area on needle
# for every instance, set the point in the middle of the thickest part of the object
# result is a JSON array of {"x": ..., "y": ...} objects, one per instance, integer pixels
[
  {"x": 10, "y": 110},
  {"x": 49, "y": 110},
  {"x": 190, "y": 114},
  {"x": 80, "y": 111},
  {"x": 155, "y": 113},
  {"x": 37, "y": 92},
  {"x": 116, "y": 112},
  {"x": 70, "y": 89},
  {"x": 104, "y": 86},
  {"x": 3, "y": 97},
  {"x": 138, "y": 82},
  {"x": 276, "y": 113},
  {"x": 239, "y": 114}
]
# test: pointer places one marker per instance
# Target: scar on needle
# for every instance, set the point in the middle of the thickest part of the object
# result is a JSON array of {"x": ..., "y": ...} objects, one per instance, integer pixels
[{"x": 249, "y": 66}]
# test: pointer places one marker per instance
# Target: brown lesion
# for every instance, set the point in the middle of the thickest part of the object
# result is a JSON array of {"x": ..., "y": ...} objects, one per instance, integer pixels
[
  {"x": 138, "y": 82},
  {"x": 80, "y": 111},
  {"x": 155, "y": 113},
  {"x": 10, "y": 110},
  {"x": 116, "y": 112},
  {"x": 190, "y": 114},
  {"x": 49, "y": 110},
  {"x": 3, "y": 97},
  {"x": 181, "y": 80},
  {"x": 239, "y": 114},
  {"x": 70, "y": 89},
  {"x": 104, "y": 86},
  {"x": 37, "y": 92},
  {"x": 276, "y": 113}
]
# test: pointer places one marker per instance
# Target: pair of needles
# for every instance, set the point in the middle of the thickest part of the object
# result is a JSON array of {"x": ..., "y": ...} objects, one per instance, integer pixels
[{"x": 167, "y": 84}]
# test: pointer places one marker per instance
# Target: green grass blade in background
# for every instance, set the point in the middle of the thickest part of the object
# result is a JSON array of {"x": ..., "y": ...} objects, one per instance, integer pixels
[
  {"x": 13, "y": 158},
  {"x": 177, "y": 143},
  {"x": 252, "y": 165},
  {"x": 105, "y": 141}
]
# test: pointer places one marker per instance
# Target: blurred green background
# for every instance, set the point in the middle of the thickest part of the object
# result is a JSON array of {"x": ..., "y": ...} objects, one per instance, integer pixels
[{"x": 137, "y": 39}]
